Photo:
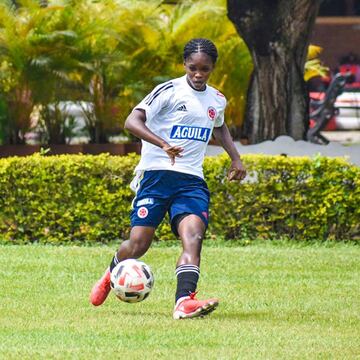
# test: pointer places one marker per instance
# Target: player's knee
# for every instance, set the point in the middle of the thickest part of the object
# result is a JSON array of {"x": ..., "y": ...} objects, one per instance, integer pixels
[{"x": 194, "y": 240}]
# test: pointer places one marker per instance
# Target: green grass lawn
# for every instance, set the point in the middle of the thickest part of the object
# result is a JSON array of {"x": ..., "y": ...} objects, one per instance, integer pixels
[{"x": 277, "y": 302}]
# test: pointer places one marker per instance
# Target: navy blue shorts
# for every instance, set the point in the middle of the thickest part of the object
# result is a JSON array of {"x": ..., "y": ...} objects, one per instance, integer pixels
[{"x": 164, "y": 191}]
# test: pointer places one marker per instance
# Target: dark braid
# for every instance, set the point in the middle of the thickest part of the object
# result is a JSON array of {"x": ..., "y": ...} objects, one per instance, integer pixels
[{"x": 201, "y": 45}]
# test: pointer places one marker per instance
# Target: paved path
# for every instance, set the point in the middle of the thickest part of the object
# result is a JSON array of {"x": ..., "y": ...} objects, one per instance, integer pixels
[
  {"x": 287, "y": 145},
  {"x": 343, "y": 137}
]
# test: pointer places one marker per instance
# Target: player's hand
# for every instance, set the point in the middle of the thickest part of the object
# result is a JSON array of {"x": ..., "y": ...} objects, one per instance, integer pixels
[
  {"x": 236, "y": 171},
  {"x": 173, "y": 152}
]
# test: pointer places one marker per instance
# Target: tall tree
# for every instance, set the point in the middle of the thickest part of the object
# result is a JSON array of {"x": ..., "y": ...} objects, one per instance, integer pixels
[
  {"x": 34, "y": 65},
  {"x": 277, "y": 34}
]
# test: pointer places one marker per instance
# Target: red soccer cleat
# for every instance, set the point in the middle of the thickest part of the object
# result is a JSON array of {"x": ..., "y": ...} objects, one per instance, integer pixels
[
  {"x": 189, "y": 307},
  {"x": 101, "y": 289}
]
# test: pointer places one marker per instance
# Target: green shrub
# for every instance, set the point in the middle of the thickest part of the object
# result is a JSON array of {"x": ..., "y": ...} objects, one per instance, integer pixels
[
  {"x": 65, "y": 198},
  {"x": 292, "y": 197},
  {"x": 87, "y": 199}
]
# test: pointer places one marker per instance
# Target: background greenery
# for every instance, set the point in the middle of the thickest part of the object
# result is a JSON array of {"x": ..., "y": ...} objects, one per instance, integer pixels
[
  {"x": 106, "y": 56},
  {"x": 275, "y": 303},
  {"x": 87, "y": 199}
]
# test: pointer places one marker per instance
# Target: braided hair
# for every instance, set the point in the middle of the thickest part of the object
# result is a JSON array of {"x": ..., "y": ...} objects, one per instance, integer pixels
[{"x": 201, "y": 45}]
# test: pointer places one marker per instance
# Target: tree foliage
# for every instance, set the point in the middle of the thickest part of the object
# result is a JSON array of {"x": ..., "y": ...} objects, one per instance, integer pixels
[{"x": 108, "y": 54}]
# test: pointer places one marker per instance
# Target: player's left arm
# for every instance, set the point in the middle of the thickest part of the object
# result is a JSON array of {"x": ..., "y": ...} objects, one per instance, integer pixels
[{"x": 222, "y": 135}]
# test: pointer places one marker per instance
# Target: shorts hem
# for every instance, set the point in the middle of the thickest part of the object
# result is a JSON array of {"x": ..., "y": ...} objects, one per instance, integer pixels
[
  {"x": 174, "y": 221},
  {"x": 144, "y": 224}
]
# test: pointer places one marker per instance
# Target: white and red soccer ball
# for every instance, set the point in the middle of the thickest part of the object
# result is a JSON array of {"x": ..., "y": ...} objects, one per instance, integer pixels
[{"x": 131, "y": 280}]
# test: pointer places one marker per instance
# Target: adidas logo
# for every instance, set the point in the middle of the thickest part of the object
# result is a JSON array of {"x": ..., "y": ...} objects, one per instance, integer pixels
[{"x": 181, "y": 108}]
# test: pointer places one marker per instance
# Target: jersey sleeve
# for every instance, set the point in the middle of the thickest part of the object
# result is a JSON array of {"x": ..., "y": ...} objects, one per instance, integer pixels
[
  {"x": 157, "y": 100},
  {"x": 219, "y": 121}
]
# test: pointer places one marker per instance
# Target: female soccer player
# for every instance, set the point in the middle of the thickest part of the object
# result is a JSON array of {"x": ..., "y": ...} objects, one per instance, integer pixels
[{"x": 175, "y": 122}]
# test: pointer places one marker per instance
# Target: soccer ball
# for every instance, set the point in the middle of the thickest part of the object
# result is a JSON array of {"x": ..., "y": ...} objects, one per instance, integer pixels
[{"x": 131, "y": 280}]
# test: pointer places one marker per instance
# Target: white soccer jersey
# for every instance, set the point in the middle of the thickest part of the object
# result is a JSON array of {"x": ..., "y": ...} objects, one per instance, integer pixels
[{"x": 182, "y": 117}]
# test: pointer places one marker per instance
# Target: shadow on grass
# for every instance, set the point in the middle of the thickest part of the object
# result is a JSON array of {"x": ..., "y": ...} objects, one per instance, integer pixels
[
  {"x": 237, "y": 315},
  {"x": 216, "y": 315},
  {"x": 146, "y": 314}
]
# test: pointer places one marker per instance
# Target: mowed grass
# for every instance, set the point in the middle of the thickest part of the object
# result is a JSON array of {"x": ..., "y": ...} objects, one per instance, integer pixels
[{"x": 276, "y": 303}]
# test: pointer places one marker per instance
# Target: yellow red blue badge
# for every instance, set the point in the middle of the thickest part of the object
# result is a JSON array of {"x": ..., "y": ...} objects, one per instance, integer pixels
[{"x": 211, "y": 113}]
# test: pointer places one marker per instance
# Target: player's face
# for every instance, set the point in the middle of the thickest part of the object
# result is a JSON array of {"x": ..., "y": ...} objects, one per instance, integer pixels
[{"x": 198, "y": 67}]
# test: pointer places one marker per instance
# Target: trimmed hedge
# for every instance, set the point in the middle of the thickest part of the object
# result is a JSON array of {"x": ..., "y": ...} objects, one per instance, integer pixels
[
  {"x": 87, "y": 199},
  {"x": 291, "y": 197}
]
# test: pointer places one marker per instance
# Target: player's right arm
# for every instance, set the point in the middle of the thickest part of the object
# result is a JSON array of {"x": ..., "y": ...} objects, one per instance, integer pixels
[{"x": 135, "y": 124}]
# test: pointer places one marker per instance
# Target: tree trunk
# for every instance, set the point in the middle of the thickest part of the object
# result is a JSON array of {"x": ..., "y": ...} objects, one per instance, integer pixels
[
  {"x": 350, "y": 8},
  {"x": 20, "y": 105},
  {"x": 277, "y": 34}
]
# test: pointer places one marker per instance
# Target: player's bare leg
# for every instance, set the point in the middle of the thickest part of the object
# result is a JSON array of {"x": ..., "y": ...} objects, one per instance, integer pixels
[
  {"x": 139, "y": 242},
  {"x": 191, "y": 230}
]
